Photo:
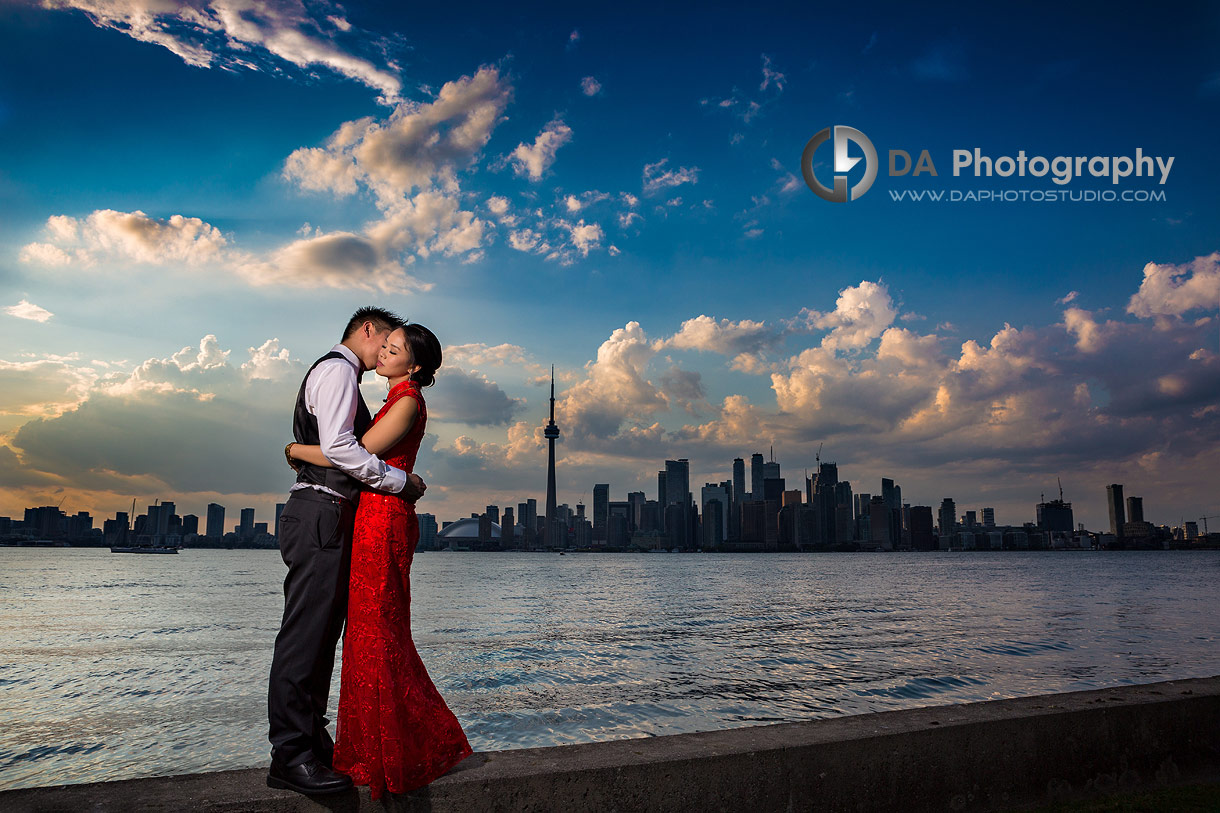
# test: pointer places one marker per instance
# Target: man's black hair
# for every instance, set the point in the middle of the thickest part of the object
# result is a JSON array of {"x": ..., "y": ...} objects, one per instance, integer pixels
[{"x": 381, "y": 318}]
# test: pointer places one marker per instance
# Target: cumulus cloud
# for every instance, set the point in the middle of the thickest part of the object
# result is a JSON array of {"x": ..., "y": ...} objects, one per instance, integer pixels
[
  {"x": 1174, "y": 290},
  {"x": 861, "y": 314},
  {"x": 590, "y": 86},
  {"x": 533, "y": 160},
  {"x": 131, "y": 236},
  {"x": 744, "y": 341},
  {"x": 189, "y": 422},
  {"x": 239, "y": 34},
  {"x": 419, "y": 146},
  {"x": 657, "y": 177},
  {"x": 28, "y": 310},
  {"x": 410, "y": 162}
]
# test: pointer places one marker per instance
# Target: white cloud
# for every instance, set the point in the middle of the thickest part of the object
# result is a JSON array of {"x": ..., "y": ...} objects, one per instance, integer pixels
[
  {"x": 28, "y": 310},
  {"x": 234, "y": 34},
  {"x": 1173, "y": 290},
  {"x": 590, "y": 86},
  {"x": 132, "y": 236},
  {"x": 534, "y": 160},
  {"x": 861, "y": 314},
  {"x": 657, "y": 177}
]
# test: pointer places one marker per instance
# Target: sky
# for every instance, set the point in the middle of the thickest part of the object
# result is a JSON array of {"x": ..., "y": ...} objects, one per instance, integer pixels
[{"x": 195, "y": 196}]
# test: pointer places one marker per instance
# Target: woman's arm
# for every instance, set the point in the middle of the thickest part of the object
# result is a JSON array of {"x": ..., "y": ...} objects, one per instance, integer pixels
[
  {"x": 309, "y": 453},
  {"x": 381, "y": 436}
]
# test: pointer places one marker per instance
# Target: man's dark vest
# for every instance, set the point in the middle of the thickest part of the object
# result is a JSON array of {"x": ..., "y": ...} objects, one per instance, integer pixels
[{"x": 305, "y": 430}]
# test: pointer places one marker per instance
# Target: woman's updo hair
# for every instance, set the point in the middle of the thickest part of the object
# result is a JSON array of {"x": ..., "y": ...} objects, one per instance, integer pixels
[{"x": 426, "y": 351}]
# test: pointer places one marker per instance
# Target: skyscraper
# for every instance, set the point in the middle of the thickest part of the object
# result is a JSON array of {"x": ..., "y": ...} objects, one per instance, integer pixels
[
  {"x": 756, "y": 476},
  {"x": 739, "y": 480},
  {"x": 1135, "y": 509},
  {"x": 216, "y": 520},
  {"x": 552, "y": 434},
  {"x": 677, "y": 492},
  {"x": 601, "y": 509},
  {"x": 1114, "y": 499}
]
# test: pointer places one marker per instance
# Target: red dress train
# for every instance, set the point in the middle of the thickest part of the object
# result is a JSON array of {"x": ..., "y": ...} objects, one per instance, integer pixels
[{"x": 394, "y": 731}]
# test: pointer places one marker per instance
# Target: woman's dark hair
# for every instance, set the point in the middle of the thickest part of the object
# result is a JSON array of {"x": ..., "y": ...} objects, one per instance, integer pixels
[{"x": 426, "y": 350}]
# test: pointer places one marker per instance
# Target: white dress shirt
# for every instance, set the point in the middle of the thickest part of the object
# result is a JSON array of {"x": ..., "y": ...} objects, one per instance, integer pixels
[{"x": 331, "y": 393}]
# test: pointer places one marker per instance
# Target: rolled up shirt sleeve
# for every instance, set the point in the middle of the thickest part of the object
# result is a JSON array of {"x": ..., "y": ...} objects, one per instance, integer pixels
[{"x": 333, "y": 389}]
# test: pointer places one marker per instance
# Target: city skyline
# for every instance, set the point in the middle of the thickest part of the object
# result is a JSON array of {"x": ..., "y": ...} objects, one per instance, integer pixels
[{"x": 622, "y": 197}]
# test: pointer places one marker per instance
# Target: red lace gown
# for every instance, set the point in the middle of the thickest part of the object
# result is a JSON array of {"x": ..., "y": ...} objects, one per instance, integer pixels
[{"x": 394, "y": 730}]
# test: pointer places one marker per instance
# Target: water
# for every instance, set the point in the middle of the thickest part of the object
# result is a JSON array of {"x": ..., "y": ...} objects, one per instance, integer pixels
[{"x": 116, "y": 666}]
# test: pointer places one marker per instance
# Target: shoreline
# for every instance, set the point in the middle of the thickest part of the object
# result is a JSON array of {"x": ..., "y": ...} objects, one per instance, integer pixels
[{"x": 991, "y": 755}]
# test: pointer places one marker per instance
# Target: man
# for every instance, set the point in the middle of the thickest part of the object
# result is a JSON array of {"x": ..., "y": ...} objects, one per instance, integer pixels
[{"x": 315, "y": 541}]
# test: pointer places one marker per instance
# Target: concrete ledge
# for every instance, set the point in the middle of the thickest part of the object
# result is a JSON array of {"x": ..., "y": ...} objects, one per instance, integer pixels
[{"x": 996, "y": 755}]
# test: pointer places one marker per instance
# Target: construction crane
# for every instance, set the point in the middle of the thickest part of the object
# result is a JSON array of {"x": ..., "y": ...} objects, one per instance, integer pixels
[
  {"x": 1204, "y": 521},
  {"x": 817, "y": 458}
]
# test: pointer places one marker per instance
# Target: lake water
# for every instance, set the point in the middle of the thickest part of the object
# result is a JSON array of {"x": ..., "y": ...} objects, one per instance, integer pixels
[{"x": 119, "y": 666}]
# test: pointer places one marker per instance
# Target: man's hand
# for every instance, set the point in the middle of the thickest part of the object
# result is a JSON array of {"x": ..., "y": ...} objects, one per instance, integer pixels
[{"x": 415, "y": 488}]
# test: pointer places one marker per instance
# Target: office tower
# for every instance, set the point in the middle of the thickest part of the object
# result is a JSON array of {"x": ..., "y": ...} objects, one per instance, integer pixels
[
  {"x": 618, "y": 524},
  {"x": 824, "y": 497},
  {"x": 677, "y": 492},
  {"x": 662, "y": 498},
  {"x": 279, "y": 509},
  {"x": 493, "y": 511},
  {"x": 971, "y": 519},
  {"x": 580, "y": 510},
  {"x": 601, "y": 502},
  {"x": 770, "y": 471},
  {"x": 739, "y": 480},
  {"x": 216, "y": 520},
  {"x": 427, "y": 532},
  {"x": 923, "y": 536},
  {"x": 720, "y": 495},
  {"x": 246, "y": 529},
  {"x": 165, "y": 518},
  {"x": 988, "y": 517},
  {"x": 1114, "y": 500},
  {"x": 508, "y": 529},
  {"x": 715, "y": 523},
  {"x": 887, "y": 492},
  {"x": 190, "y": 524},
  {"x": 1135, "y": 509},
  {"x": 880, "y": 523},
  {"x": 552, "y": 434},
  {"x": 756, "y": 476},
  {"x": 636, "y": 499},
  {"x": 947, "y": 517}
]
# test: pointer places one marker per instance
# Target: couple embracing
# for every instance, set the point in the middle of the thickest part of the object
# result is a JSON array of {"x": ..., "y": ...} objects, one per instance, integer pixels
[{"x": 347, "y": 534}]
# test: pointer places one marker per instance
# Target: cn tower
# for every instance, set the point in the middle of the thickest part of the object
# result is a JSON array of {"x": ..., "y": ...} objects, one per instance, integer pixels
[{"x": 551, "y": 432}]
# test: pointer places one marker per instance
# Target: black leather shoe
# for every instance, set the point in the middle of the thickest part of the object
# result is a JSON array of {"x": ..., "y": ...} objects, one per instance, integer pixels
[{"x": 310, "y": 777}]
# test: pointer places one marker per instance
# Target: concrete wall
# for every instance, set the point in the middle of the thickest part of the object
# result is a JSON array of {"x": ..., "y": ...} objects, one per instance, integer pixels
[{"x": 979, "y": 756}]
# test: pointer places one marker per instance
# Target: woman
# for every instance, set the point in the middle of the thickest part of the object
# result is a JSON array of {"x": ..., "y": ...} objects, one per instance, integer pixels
[{"x": 394, "y": 730}]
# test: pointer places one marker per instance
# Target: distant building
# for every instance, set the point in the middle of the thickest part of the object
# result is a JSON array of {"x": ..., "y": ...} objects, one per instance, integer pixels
[
  {"x": 427, "y": 531},
  {"x": 1056, "y": 516},
  {"x": 1135, "y": 509},
  {"x": 946, "y": 520},
  {"x": 601, "y": 504},
  {"x": 216, "y": 520},
  {"x": 756, "y": 476},
  {"x": 1114, "y": 501},
  {"x": 739, "y": 480}
]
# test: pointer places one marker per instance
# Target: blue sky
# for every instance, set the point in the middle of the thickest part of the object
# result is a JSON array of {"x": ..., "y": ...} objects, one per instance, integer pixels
[{"x": 616, "y": 191}]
